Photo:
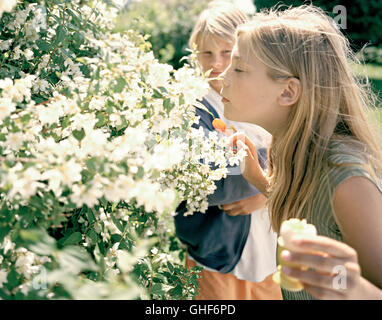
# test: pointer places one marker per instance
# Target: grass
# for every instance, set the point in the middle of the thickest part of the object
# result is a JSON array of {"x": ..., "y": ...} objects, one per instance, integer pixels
[
  {"x": 378, "y": 115},
  {"x": 376, "y": 122},
  {"x": 374, "y": 72}
]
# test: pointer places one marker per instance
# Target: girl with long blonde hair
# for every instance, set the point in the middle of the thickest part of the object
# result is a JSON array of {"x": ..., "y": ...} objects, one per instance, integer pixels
[
  {"x": 231, "y": 240},
  {"x": 291, "y": 74}
]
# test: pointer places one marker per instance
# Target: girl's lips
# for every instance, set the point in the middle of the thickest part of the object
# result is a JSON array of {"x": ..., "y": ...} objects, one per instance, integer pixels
[
  {"x": 224, "y": 100},
  {"x": 215, "y": 74}
]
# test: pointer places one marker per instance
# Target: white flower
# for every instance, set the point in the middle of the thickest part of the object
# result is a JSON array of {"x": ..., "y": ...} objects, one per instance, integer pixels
[
  {"x": 71, "y": 107},
  {"x": 7, "y": 6},
  {"x": 159, "y": 74},
  {"x": 17, "y": 53},
  {"x": 166, "y": 155},
  {"x": 97, "y": 103},
  {"x": 6, "y": 107},
  {"x": 3, "y": 277},
  {"x": 132, "y": 141},
  {"x": 7, "y": 245},
  {"x": 15, "y": 140},
  {"x": 81, "y": 195},
  {"x": 192, "y": 88},
  {"x": 28, "y": 53},
  {"x": 49, "y": 114},
  {"x": 41, "y": 85},
  {"x": 94, "y": 142},
  {"x": 67, "y": 173},
  {"x": 85, "y": 121},
  {"x": 5, "y": 44},
  {"x": 25, "y": 183},
  {"x": 10, "y": 91}
]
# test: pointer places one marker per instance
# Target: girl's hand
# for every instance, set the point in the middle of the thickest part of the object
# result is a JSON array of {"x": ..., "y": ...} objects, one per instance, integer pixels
[
  {"x": 337, "y": 273},
  {"x": 245, "y": 206},
  {"x": 250, "y": 168}
]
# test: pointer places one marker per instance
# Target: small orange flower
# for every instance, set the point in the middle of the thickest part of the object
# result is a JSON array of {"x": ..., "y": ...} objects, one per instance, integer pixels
[{"x": 219, "y": 125}]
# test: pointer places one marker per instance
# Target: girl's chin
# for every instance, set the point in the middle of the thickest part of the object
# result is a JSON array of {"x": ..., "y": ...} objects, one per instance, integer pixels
[
  {"x": 229, "y": 115},
  {"x": 215, "y": 86}
]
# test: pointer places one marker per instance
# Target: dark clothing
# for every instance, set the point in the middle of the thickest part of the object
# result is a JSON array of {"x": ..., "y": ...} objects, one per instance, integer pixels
[{"x": 214, "y": 238}]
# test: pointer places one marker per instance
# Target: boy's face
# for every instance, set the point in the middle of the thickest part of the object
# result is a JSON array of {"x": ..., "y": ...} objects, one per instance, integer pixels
[{"x": 215, "y": 54}]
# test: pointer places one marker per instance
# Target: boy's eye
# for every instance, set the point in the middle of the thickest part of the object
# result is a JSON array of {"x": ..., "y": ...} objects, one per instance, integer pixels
[
  {"x": 207, "y": 52},
  {"x": 227, "y": 51},
  {"x": 238, "y": 70}
]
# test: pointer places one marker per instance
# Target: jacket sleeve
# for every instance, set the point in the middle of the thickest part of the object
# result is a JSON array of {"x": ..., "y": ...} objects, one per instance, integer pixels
[{"x": 234, "y": 187}]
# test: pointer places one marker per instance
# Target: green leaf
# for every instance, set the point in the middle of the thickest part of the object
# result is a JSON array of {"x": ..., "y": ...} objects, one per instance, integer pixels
[
  {"x": 178, "y": 291},
  {"x": 168, "y": 105},
  {"x": 3, "y": 232},
  {"x": 75, "y": 259},
  {"x": 160, "y": 288},
  {"x": 39, "y": 241},
  {"x": 102, "y": 120},
  {"x": 92, "y": 235},
  {"x": 61, "y": 34},
  {"x": 79, "y": 134},
  {"x": 104, "y": 202},
  {"x": 13, "y": 279},
  {"x": 203, "y": 107},
  {"x": 140, "y": 174},
  {"x": 170, "y": 266},
  {"x": 91, "y": 164},
  {"x": 181, "y": 100},
  {"x": 66, "y": 53},
  {"x": 121, "y": 83},
  {"x": 118, "y": 224},
  {"x": 91, "y": 216},
  {"x": 74, "y": 238},
  {"x": 44, "y": 46},
  {"x": 157, "y": 94}
]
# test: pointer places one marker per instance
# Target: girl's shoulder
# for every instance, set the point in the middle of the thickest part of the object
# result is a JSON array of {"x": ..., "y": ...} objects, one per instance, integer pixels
[{"x": 347, "y": 159}]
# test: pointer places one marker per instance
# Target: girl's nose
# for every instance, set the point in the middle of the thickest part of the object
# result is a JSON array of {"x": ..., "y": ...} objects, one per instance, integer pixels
[{"x": 224, "y": 75}]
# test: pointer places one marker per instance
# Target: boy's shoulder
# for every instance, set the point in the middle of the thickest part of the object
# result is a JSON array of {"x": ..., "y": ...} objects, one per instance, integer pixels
[{"x": 206, "y": 118}]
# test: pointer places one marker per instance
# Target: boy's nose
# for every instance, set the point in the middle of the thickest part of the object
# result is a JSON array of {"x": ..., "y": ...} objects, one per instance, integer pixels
[{"x": 217, "y": 63}]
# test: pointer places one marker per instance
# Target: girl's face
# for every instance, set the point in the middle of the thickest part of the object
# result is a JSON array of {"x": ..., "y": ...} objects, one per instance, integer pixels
[
  {"x": 250, "y": 95},
  {"x": 215, "y": 54}
]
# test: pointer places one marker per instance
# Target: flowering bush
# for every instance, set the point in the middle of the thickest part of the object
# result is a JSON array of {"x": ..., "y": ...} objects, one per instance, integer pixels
[{"x": 97, "y": 150}]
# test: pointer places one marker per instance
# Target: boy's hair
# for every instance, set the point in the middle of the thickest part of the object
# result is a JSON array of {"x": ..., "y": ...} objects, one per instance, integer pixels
[
  {"x": 306, "y": 44},
  {"x": 220, "y": 19}
]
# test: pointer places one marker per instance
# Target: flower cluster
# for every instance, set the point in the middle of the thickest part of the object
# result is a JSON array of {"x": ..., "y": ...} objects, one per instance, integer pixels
[{"x": 97, "y": 144}]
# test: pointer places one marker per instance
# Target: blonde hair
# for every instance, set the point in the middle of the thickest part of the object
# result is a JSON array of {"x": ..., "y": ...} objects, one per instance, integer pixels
[
  {"x": 305, "y": 43},
  {"x": 220, "y": 19}
]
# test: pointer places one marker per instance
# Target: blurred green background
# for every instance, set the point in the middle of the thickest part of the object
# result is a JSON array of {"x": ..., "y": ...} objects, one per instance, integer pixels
[{"x": 169, "y": 24}]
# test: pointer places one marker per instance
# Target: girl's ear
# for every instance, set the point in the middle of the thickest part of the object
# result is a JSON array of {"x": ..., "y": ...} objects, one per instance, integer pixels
[{"x": 291, "y": 92}]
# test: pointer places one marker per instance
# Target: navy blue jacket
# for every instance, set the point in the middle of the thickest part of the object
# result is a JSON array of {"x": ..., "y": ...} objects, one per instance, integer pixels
[{"x": 214, "y": 238}]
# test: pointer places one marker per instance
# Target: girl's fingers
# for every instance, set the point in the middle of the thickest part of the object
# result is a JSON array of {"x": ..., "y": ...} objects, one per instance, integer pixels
[
  {"x": 235, "y": 212},
  {"x": 230, "y": 206},
  {"x": 241, "y": 144},
  {"x": 310, "y": 277},
  {"x": 324, "y": 293},
  {"x": 319, "y": 262},
  {"x": 326, "y": 245},
  {"x": 240, "y": 136},
  {"x": 232, "y": 213}
]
